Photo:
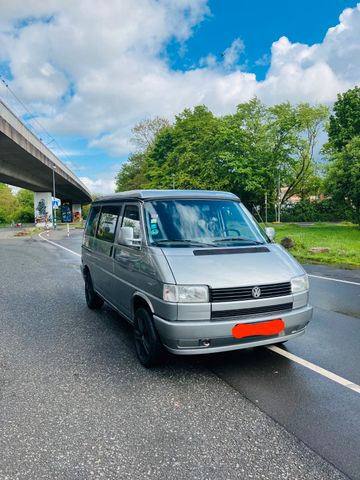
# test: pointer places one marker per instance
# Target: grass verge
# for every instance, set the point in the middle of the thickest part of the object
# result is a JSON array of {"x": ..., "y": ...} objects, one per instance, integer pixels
[{"x": 342, "y": 240}]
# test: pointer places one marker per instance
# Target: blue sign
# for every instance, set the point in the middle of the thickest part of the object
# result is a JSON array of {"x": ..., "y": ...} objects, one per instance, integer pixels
[{"x": 56, "y": 203}]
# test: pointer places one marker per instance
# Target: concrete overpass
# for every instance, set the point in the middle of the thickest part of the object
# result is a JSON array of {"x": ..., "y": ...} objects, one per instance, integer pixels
[{"x": 27, "y": 163}]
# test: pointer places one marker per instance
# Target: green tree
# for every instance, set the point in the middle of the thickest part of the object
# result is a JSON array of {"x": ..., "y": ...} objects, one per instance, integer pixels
[
  {"x": 25, "y": 206},
  {"x": 132, "y": 173},
  {"x": 267, "y": 144},
  {"x": 344, "y": 122},
  {"x": 145, "y": 132},
  {"x": 244, "y": 152},
  {"x": 343, "y": 151},
  {"x": 302, "y": 125},
  {"x": 343, "y": 180},
  {"x": 188, "y": 155},
  {"x": 25, "y": 198},
  {"x": 7, "y": 203},
  {"x": 247, "y": 151}
]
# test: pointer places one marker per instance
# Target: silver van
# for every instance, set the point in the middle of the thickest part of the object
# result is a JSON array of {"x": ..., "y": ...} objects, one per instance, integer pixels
[{"x": 192, "y": 272}]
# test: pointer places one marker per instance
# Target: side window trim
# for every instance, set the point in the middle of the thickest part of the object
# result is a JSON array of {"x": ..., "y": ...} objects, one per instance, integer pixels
[
  {"x": 96, "y": 209},
  {"x": 119, "y": 222},
  {"x": 142, "y": 231},
  {"x": 97, "y": 222}
]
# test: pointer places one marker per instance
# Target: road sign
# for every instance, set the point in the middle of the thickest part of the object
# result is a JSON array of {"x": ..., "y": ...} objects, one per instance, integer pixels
[{"x": 56, "y": 202}]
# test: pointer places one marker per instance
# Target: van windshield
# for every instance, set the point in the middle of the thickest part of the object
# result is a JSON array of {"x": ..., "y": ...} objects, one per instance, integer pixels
[{"x": 192, "y": 222}]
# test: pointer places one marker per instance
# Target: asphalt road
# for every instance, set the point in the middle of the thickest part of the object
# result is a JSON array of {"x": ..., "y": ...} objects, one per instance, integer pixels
[{"x": 75, "y": 403}]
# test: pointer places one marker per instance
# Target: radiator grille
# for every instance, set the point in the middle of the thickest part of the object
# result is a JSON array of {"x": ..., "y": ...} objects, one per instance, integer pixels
[{"x": 245, "y": 293}]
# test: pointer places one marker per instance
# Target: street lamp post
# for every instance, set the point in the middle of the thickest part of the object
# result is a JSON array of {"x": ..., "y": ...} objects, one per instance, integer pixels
[
  {"x": 279, "y": 197},
  {"x": 266, "y": 207},
  {"x": 54, "y": 197}
]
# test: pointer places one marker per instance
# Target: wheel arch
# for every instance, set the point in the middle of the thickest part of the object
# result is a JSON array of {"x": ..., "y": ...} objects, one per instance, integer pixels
[{"x": 140, "y": 300}]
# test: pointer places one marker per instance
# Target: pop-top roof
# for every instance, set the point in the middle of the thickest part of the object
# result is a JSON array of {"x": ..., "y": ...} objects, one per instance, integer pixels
[{"x": 162, "y": 194}]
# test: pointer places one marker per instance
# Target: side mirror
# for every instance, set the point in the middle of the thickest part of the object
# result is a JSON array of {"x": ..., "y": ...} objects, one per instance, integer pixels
[
  {"x": 126, "y": 237},
  {"x": 270, "y": 232}
]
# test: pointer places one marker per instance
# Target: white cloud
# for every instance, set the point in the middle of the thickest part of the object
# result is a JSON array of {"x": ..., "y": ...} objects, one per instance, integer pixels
[
  {"x": 263, "y": 61},
  {"x": 209, "y": 61},
  {"x": 101, "y": 185},
  {"x": 94, "y": 68},
  {"x": 231, "y": 55}
]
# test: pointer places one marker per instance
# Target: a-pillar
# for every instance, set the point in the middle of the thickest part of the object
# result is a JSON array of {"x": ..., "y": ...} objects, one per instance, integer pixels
[
  {"x": 43, "y": 209},
  {"x": 76, "y": 212}
]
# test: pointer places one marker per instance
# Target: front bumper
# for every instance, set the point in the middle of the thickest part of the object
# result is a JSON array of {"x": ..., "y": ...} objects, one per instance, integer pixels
[{"x": 187, "y": 338}]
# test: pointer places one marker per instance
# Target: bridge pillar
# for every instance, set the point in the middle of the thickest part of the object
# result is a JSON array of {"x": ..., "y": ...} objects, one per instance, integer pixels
[
  {"x": 76, "y": 212},
  {"x": 43, "y": 209}
]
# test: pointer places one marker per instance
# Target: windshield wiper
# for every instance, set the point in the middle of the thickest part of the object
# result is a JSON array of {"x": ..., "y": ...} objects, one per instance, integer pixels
[
  {"x": 238, "y": 239},
  {"x": 183, "y": 240}
]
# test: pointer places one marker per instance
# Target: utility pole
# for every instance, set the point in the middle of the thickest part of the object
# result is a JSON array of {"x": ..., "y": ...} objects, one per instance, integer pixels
[{"x": 54, "y": 198}]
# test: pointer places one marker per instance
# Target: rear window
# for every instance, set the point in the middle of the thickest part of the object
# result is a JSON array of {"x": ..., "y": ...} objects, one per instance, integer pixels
[{"x": 107, "y": 223}]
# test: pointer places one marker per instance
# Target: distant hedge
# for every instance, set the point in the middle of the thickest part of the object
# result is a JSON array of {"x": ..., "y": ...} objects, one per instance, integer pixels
[{"x": 321, "y": 211}]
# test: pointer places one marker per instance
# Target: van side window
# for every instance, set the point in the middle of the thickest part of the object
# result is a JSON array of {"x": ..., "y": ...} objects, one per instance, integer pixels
[
  {"x": 107, "y": 223},
  {"x": 132, "y": 219},
  {"x": 92, "y": 221}
]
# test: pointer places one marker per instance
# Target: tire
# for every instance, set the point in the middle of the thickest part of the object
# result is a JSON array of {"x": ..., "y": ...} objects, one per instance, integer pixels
[
  {"x": 93, "y": 300},
  {"x": 149, "y": 349}
]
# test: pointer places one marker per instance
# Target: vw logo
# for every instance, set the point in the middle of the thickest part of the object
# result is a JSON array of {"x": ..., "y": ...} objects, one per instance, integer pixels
[{"x": 256, "y": 292}]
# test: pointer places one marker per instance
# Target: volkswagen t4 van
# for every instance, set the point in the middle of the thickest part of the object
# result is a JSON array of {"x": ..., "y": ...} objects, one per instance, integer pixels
[{"x": 192, "y": 272}]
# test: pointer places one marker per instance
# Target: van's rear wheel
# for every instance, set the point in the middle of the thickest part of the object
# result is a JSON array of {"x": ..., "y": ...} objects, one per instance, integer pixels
[
  {"x": 93, "y": 300},
  {"x": 148, "y": 346}
]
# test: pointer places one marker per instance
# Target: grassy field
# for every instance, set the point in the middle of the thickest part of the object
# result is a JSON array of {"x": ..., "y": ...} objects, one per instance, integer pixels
[{"x": 342, "y": 240}]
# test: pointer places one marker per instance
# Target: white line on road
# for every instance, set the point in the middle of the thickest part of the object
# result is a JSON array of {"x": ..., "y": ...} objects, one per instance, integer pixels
[
  {"x": 57, "y": 244},
  {"x": 321, "y": 371},
  {"x": 333, "y": 279}
]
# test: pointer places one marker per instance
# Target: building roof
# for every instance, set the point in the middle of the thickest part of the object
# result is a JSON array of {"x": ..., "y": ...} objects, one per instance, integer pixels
[{"x": 159, "y": 194}]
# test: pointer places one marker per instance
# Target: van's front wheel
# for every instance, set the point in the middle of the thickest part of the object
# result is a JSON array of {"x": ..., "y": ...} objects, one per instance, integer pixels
[
  {"x": 148, "y": 346},
  {"x": 93, "y": 300}
]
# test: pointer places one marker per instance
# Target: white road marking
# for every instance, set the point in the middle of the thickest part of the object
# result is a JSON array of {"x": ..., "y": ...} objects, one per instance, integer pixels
[
  {"x": 321, "y": 371},
  {"x": 58, "y": 245},
  {"x": 333, "y": 279}
]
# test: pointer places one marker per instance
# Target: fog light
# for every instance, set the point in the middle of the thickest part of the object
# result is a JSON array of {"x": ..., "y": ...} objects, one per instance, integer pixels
[{"x": 205, "y": 343}]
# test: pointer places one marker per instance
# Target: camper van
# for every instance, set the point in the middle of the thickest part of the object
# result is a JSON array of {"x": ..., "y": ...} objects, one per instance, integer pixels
[{"x": 193, "y": 273}]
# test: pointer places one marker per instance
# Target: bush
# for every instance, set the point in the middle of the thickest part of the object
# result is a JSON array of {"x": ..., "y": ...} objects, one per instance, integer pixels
[
  {"x": 321, "y": 211},
  {"x": 4, "y": 218},
  {"x": 24, "y": 215}
]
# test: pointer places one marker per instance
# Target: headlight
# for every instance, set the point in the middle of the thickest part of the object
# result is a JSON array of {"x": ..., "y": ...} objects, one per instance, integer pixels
[
  {"x": 300, "y": 284},
  {"x": 186, "y": 293}
]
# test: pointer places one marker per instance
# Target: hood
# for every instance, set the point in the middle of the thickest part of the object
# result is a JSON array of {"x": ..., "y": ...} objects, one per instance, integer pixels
[{"x": 232, "y": 267}]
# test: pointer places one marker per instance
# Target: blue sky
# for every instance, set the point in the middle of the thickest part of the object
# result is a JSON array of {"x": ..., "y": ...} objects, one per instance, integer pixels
[
  {"x": 88, "y": 71},
  {"x": 259, "y": 24}
]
